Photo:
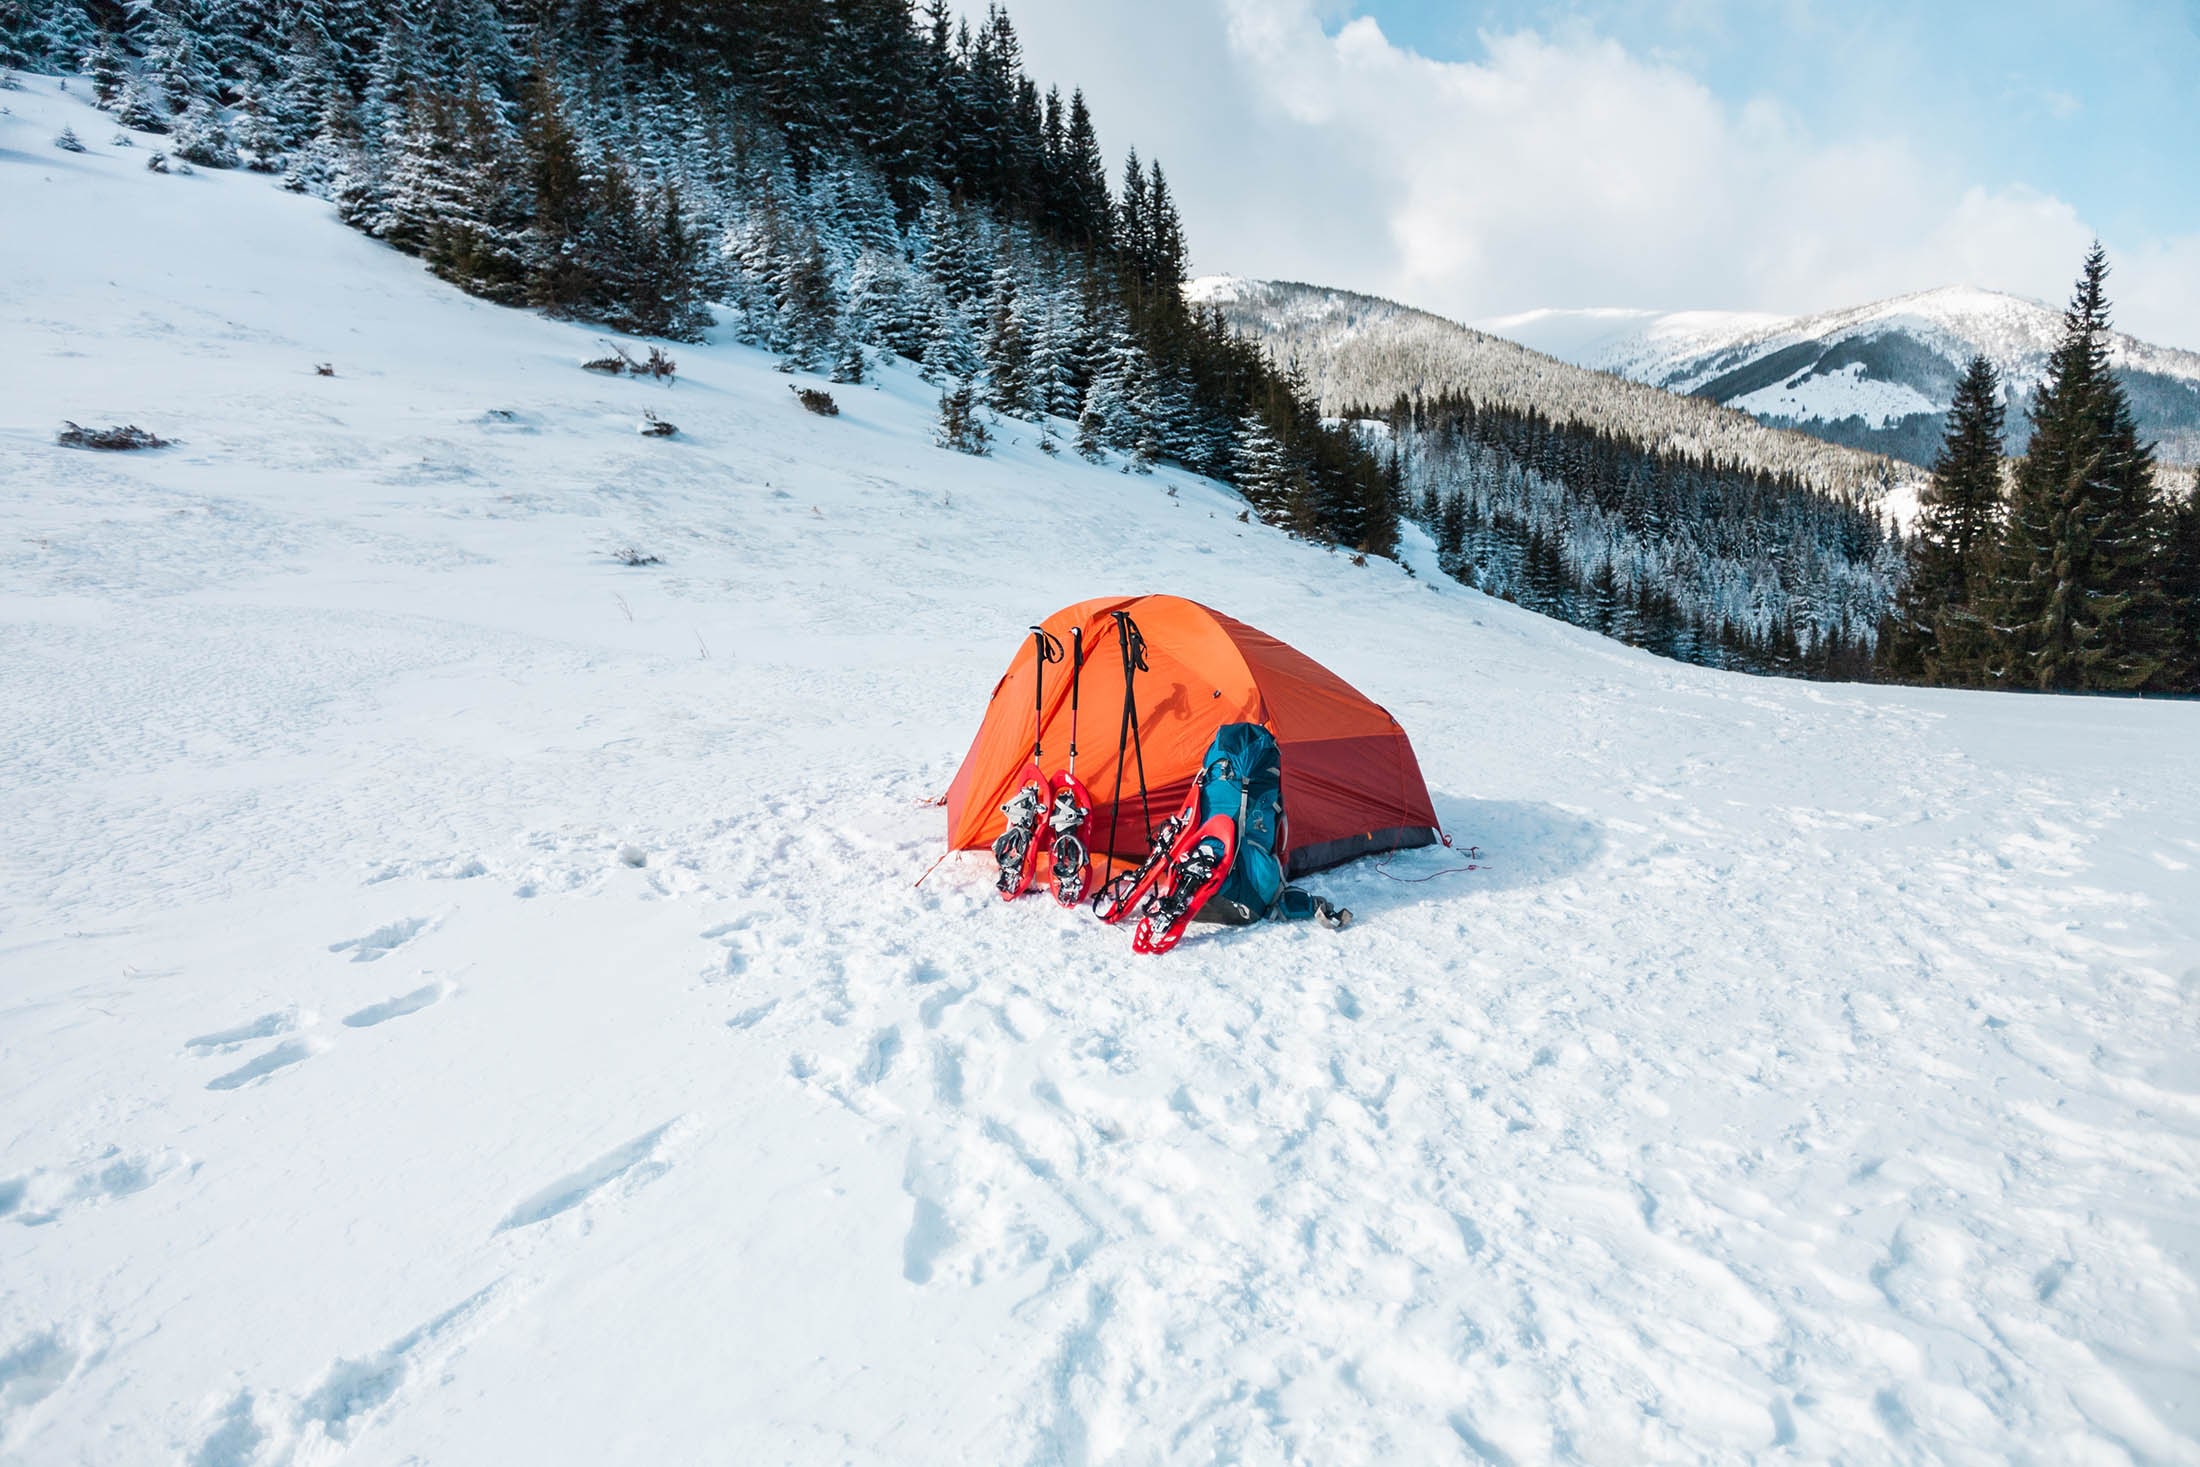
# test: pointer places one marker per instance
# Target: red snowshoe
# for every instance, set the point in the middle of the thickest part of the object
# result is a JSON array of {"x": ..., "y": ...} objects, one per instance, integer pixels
[
  {"x": 1196, "y": 872},
  {"x": 1066, "y": 818},
  {"x": 1129, "y": 889},
  {"x": 1017, "y": 849}
]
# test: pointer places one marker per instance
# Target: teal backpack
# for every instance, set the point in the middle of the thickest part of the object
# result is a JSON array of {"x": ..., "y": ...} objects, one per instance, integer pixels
[{"x": 1243, "y": 778}]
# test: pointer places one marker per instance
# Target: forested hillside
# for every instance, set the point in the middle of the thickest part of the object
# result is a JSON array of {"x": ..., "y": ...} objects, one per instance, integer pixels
[
  {"x": 1357, "y": 349},
  {"x": 1705, "y": 562},
  {"x": 847, "y": 179},
  {"x": 1664, "y": 521}
]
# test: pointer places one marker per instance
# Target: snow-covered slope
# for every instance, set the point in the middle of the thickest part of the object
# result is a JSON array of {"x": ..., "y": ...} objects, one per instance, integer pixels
[
  {"x": 463, "y": 999},
  {"x": 1879, "y": 376},
  {"x": 1363, "y": 351}
]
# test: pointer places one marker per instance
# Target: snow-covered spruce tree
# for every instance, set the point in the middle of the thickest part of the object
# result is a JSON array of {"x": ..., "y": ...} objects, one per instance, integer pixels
[
  {"x": 1007, "y": 349},
  {"x": 2078, "y": 601},
  {"x": 45, "y": 35},
  {"x": 202, "y": 138},
  {"x": 109, "y": 70},
  {"x": 1262, "y": 469},
  {"x": 178, "y": 69},
  {"x": 949, "y": 353},
  {"x": 848, "y": 363},
  {"x": 1937, "y": 631},
  {"x": 959, "y": 426},
  {"x": 2181, "y": 583},
  {"x": 809, "y": 306},
  {"x": 478, "y": 235},
  {"x": 881, "y": 304}
]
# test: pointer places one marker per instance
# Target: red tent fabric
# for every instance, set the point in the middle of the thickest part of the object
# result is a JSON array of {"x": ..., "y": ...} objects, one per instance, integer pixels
[{"x": 1351, "y": 784}]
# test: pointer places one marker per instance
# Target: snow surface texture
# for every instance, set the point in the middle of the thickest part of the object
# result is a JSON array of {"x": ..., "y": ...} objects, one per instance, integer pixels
[
  {"x": 465, "y": 1000},
  {"x": 1878, "y": 363}
]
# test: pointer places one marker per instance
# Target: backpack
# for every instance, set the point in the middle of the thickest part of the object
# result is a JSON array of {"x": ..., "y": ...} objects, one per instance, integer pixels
[{"x": 1243, "y": 778}]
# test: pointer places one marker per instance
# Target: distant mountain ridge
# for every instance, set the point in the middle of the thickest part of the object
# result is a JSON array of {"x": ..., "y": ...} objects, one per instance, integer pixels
[
  {"x": 1361, "y": 351},
  {"x": 1877, "y": 376}
]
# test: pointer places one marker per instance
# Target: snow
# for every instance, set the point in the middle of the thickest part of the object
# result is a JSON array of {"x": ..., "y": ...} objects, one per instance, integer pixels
[
  {"x": 1843, "y": 392},
  {"x": 1799, "y": 1069}
]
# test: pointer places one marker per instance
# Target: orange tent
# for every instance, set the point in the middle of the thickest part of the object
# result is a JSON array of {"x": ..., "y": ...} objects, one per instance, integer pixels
[{"x": 1350, "y": 782}]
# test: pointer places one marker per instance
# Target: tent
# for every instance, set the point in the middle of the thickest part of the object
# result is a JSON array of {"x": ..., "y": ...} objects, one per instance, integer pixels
[{"x": 1351, "y": 785}]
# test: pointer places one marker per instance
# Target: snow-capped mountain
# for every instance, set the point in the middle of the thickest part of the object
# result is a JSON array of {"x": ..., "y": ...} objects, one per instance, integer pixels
[
  {"x": 1362, "y": 351},
  {"x": 466, "y": 996},
  {"x": 1878, "y": 376}
]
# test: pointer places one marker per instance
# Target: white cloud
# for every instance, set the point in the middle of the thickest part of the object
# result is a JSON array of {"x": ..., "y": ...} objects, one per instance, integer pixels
[{"x": 1559, "y": 169}]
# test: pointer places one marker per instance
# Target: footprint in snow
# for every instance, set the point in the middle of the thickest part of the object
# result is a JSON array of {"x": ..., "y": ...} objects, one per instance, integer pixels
[
  {"x": 749, "y": 1018},
  {"x": 398, "y": 1007},
  {"x": 281, "y": 1057},
  {"x": 638, "y": 1157},
  {"x": 266, "y": 1026},
  {"x": 383, "y": 941}
]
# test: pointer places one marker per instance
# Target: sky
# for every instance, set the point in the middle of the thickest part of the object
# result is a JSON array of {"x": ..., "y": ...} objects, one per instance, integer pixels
[{"x": 1481, "y": 159}]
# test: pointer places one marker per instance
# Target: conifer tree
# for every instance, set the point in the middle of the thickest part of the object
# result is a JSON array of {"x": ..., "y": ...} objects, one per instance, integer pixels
[
  {"x": 809, "y": 306},
  {"x": 1938, "y": 631},
  {"x": 1261, "y": 468},
  {"x": 1007, "y": 348},
  {"x": 949, "y": 353},
  {"x": 557, "y": 280},
  {"x": 2079, "y": 603},
  {"x": 1087, "y": 210},
  {"x": 109, "y": 70},
  {"x": 2181, "y": 584}
]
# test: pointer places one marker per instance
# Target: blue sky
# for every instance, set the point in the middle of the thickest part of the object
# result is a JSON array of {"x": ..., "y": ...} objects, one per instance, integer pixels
[
  {"x": 1783, "y": 155},
  {"x": 2096, "y": 103}
]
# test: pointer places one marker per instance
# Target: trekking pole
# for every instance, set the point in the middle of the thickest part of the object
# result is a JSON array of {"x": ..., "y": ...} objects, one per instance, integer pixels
[
  {"x": 1044, "y": 649},
  {"x": 1132, "y": 645},
  {"x": 1076, "y": 674}
]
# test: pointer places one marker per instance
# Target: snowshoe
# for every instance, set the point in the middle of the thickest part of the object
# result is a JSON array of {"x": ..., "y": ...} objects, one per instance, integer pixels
[
  {"x": 1190, "y": 879},
  {"x": 1017, "y": 849},
  {"x": 1128, "y": 890},
  {"x": 1066, "y": 819}
]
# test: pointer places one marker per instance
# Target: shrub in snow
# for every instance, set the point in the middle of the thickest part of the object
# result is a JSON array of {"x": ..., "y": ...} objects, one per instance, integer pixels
[
  {"x": 67, "y": 141},
  {"x": 816, "y": 401},
  {"x": 631, "y": 556},
  {"x": 657, "y": 366},
  {"x": 119, "y": 438},
  {"x": 656, "y": 427},
  {"x": 157, "y": 163},
  {"x": 959, "y": 427},
  {"x": 119, "y": 140}
]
